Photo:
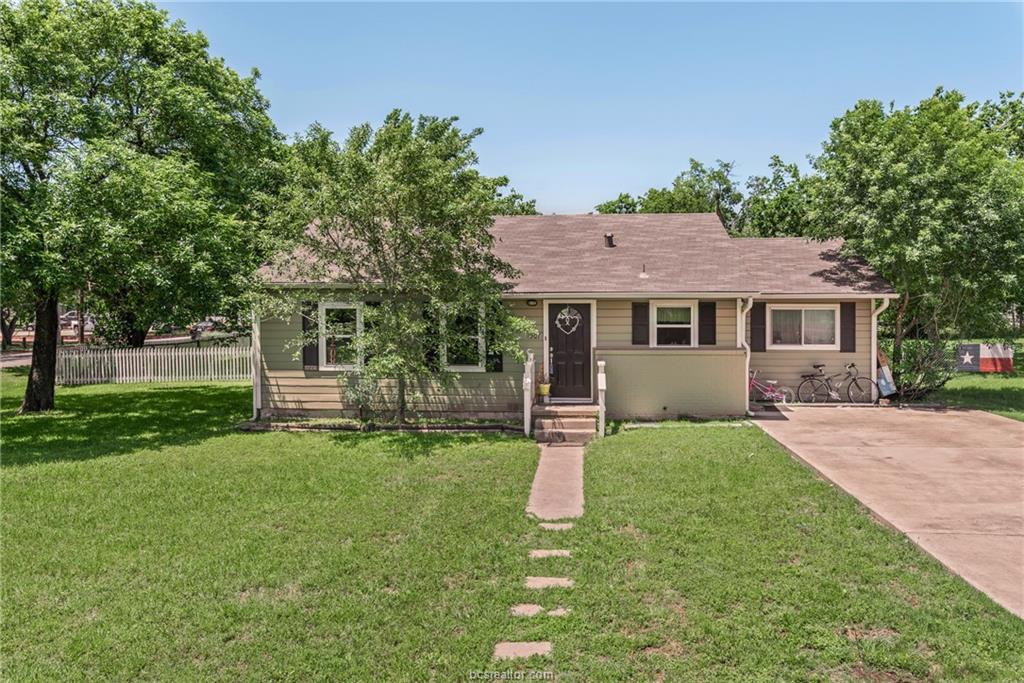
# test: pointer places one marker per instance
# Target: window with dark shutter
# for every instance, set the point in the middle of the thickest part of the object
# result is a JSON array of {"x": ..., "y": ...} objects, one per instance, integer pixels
[
  {"x": 641, "y": 323},
  {"x": 310, "y": 351},
  {"x": 757, "y": 327},
  {"x": 707, "y": 324},
  {"x": 848, "y": 327}
]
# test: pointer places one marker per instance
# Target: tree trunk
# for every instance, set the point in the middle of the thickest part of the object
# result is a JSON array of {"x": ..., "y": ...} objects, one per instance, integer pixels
[
  {"x": 7, "y": 323},
  {"x": 42, "y": 373},
  {"x": 896, "y": 363},
  {"x": 402, "y": 407},
  {"x": 81, "y": 316},
  {"x": 137, "y": 338}
]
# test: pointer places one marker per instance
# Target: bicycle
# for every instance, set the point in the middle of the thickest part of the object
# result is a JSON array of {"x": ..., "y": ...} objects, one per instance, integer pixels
[
  {"x": 769, "y": 389},
  {"x": 818, "y": 387}
]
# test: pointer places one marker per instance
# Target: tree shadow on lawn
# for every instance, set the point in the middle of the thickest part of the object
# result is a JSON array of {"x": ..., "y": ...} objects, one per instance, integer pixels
[
  {"x": 983, "y": 397},
  {"x": 101, "y": 420},
  {"x": 412, "y": 445}
]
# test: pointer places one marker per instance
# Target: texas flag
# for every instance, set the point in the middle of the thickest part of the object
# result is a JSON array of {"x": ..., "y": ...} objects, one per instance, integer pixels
[{"x": 984, "y": 358}]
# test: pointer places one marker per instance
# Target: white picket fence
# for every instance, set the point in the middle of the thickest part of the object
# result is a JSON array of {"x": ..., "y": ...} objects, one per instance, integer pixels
[{"x": 154, "y": 364}]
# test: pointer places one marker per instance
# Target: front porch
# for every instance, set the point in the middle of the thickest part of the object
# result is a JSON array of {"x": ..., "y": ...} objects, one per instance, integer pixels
[
  {"x": 569, "y": 423},
  {"x": 651, "y": 384}
]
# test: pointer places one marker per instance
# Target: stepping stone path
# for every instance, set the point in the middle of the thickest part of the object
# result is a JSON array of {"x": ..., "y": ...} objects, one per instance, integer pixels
[
  {"x": 531, "y": 610},
  {"x": 557, "y": 491},
  {"x": 538, "y": 582},
  {"x": 556, "y": 494},
  {"x": 513, "y": 650}
]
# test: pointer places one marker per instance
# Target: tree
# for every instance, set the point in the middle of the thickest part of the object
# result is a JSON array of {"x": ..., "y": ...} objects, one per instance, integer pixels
[
  {"x": 699, "y": 189},
  {"x": 114, "y": 79},
  {"x": 1006, "y": 118},
  {"x": 15, "y": 308},
  {"x": 170, "y": 253},
  {"x": 930, "y": 198},
  {"x": 512, "y": 203},
  {"x": 400, "y": 218},
  {"x": 778, "y": 205},
  {"x": 624, "y": 203}
]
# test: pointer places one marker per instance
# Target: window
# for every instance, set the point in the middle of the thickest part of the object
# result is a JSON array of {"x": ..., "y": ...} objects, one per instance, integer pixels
[
  {"x": 340, "y": 326},
  {"x": 463, "y": 348},
  {"x": 803, "y": 327},
  {"x": 673, "y": 323}
]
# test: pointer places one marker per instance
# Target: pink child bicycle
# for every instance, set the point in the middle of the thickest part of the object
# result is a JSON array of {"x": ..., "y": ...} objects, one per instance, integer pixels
[{"x": 768, "y": 390}]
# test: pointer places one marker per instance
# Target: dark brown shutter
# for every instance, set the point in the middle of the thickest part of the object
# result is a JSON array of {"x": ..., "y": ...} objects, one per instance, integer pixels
[
  {"x": 848, "y": 327},
  {"x": 641, "y": 323},
  {"x": 758, "y": 327},
  {"x": 310, "y": 352},
  {"x": 706, "y": 323}
]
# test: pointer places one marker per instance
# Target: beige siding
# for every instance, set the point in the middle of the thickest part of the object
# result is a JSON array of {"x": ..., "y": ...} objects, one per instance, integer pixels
[
  {"x": 642, "y": 382},
  {"x": 664, "y": 383},
  {"x": 615, "y": 323},
  {"x": 787, "y": 365},
  {"x": 288, "y": 388}
]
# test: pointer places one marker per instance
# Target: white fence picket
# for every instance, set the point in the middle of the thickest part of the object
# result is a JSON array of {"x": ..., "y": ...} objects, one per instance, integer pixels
[{"x": 154, "y": 364}]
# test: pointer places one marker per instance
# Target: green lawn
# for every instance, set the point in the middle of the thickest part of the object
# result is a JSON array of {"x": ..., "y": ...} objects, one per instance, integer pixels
[
  {"x": 143, "y": 537},
  {"x": 1002, "y": 394}
]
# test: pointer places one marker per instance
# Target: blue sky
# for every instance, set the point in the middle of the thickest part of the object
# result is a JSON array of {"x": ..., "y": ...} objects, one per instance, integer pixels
[{"x": 582, "y": 101}]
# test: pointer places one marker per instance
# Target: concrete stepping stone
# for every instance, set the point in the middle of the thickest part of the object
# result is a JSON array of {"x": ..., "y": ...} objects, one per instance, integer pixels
[
  {"x": 557, "y": 490},
  {"x": 540, "y": 554},
  {"x": 556, "y": 526},
  {"x": 539, "y": 582},
  {"x": 521, "y": 649},
  {"x": 526, "y": 610}
]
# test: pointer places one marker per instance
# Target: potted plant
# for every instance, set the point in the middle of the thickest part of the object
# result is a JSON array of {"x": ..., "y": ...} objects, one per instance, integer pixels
[{"x": 544, "y": 388}]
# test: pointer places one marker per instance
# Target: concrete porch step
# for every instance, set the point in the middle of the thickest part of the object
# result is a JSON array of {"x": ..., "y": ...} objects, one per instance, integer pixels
[
  {"x": 557, "y": 423},
  {"x": 573, "y": 436},
  {"x": 565, "y": 410}
]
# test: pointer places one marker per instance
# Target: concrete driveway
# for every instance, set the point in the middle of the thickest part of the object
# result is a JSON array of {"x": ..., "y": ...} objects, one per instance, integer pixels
[{"x": 951, "y": 480}]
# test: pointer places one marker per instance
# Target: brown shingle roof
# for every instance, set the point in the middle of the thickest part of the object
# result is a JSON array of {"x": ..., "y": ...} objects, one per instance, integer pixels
[
  {"x": 660, "y": 254},
  {"x": 794, "y": 265},
  {"x": 677, "y": 252}
]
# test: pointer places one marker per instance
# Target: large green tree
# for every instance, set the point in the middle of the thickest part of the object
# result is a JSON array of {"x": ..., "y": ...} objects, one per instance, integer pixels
[
  {"x": 1005, "y": 116},
  {"x": 512, "y": 203},
  {"x": 398, "y": 216},
  {"x": 778, "y": 205},
  {"x": 624, "y": 203},
  {"x": 929, "y": 196},
  {"x": 699, "y": 189},
  {"x": 111, "y": 93}
]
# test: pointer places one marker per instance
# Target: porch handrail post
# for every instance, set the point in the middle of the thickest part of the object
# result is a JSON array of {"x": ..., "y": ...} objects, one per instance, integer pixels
[
  {"x": 602, "y": 386},
  {"x": 527, "y": 392}
]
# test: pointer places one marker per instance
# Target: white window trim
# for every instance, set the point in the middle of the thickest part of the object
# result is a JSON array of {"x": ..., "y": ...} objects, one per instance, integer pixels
[
  {"x": 481, "y": 344},
  {"x": 801, "y": 346},
  {"x": 652, "y": 317},
  {"x": 322, "y": 320}
]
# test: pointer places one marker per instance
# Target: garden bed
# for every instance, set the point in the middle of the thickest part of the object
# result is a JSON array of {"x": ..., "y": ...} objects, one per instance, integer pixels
[{"x": 320, "y": 425}]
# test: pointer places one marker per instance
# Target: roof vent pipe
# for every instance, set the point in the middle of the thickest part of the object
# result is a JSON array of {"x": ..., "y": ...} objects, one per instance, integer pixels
[{"x": 609, "y": 239}]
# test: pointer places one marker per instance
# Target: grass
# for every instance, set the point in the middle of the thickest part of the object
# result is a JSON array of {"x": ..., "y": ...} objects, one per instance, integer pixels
[
  {"x": 1002, "y": 394},
  {"x": 143, "y": 537}
]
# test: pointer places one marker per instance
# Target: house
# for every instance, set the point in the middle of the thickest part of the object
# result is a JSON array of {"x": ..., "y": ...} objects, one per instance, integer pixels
[{"x": 676, "y": 309}]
